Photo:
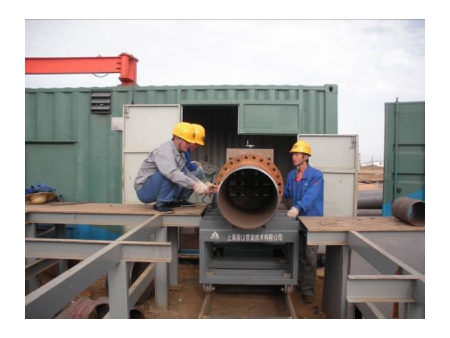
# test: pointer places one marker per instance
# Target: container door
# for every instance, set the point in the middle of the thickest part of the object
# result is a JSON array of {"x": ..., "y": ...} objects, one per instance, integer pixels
[
  {"x": 404, "y": 152},
  {"x": 145, "y": 127},
  {"x": 337, "y": 157}
]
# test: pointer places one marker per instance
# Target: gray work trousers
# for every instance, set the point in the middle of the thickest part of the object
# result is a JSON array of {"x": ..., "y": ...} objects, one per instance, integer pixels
[{"x": 307, "y": 265}]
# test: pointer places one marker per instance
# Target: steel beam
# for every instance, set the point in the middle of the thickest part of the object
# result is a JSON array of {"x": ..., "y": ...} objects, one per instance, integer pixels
[
  {"x": 327, "y": 238},
  {"x": 143, "y": 231},
  {"x": 53, "y": 248},
  {"x": 181, "y": 221},
  {"x": 81, "y": 249},
  {"x": 32, "y": 283},
  {"x": 118, "y": 291},
  {"x": 46, "y": 301},
  {"x": 337, "y": 260},
  {"x": 80, "y": 218},
  {"x": 380, "y": 289},
  {"x": 379, "y": 258},
  {"x": 173, "y": 238},
  {"x": 140, "y": 285},
  {"x": 369, "y": 311},
  {"x": 39, "y": 266},
  {"x": 161, "y": 297},
  {"x": 109, "y": 219}
]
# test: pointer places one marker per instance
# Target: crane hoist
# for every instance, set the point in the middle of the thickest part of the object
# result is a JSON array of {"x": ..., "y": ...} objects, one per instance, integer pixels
[{"x": 125, "y": 64}]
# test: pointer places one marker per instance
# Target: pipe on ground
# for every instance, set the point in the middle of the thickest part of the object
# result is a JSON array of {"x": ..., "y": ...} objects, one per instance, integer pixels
[
  {"x": 369, "y": 212},
  {"x": 370, "y": 199},
  {"x": 250, "y": 190}
]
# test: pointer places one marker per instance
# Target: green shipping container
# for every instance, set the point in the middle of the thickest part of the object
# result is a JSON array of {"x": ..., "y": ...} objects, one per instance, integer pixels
[
  {"x": 404, "y": 154},
  {"x": 73, "y": 145}
]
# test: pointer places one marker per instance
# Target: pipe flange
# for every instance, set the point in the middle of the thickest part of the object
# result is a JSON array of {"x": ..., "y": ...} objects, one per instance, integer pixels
[
  {"x": 258, "y": 161},
  {"x": 250, "y": 190}
]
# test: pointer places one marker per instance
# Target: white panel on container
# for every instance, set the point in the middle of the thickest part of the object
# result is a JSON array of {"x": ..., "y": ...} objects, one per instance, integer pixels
[
  {"x": 337, "y": 157},
  {"x": 145, "y": 127},
  {"x": 132, "y": 163}
]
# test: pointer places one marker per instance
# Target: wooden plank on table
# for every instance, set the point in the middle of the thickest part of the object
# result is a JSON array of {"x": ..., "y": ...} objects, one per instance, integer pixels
[
  {"x": 109, "y": 208},
  {"x": 337, "y": 224}
]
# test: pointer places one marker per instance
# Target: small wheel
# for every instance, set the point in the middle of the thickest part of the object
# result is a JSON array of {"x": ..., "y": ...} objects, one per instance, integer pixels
[
  {"x": 288, "y": 289},
  {"x": 207, "y": 288}
]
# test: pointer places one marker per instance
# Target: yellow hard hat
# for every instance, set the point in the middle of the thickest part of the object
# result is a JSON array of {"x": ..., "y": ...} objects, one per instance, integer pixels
[
  {"x": 186, "y": 131},
  {"x": 301, "y": 147},
  {"x": 199, "y": 134}
]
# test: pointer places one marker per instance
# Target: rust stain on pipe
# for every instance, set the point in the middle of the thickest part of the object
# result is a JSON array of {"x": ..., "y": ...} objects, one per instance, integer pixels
[{"x": 250, "y": 190}]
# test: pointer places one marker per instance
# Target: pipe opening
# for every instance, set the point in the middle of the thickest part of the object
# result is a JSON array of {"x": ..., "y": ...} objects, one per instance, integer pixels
[
  {"x": 409, "y": 210},
  {"x": 248, "y": 198}
]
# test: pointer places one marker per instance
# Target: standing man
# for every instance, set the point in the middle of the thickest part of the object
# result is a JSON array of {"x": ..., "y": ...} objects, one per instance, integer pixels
[
  {"x": 163, "y": 177},
  {"x": 193, "y": 166},
  {"x": 304, "y": 189}
]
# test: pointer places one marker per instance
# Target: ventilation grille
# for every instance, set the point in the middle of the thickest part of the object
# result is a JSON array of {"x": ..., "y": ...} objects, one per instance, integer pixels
[{"x": 101, "y": 102}]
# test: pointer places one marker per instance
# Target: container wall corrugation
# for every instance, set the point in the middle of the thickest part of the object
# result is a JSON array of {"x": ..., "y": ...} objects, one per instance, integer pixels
[
  {"x": 404, "y": 162},
  {"x": 62, "y": 118}
]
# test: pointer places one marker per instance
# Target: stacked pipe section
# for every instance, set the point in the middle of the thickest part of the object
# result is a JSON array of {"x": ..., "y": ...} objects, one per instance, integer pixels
[
  {"x": 250, "y": 190},
  {"x": 409, "y": 210}
]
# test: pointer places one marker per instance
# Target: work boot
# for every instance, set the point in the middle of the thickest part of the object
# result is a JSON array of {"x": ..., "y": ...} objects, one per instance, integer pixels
[
  {"x": 162, "y": 207},
  {"x": 308, "y": 298},
  {"x": 185, "y": 203},
  {"x": 181, "y": 203}
]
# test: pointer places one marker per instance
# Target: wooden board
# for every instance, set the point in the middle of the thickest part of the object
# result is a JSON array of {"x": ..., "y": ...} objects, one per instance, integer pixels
[
  {"x": 360, "y": 224},
  {"x": 109, "y": 208}
]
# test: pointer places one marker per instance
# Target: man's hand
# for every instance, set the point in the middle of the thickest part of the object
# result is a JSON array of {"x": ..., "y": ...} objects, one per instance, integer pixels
[
  {"x": 293, "y": 212},
  {"x": 201, "y": 188},
  {"x": 198, "y": 164},
  {"x": 205, "y": 189},
  {"x": 212, "y": 189}
]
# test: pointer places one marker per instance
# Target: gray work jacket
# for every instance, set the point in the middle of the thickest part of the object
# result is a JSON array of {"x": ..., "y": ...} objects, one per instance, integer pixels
[{"x": 168, "y": 161}]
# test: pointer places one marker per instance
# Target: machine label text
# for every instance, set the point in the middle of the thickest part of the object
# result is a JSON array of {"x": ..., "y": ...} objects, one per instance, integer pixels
[{"x": 255, "y": 238}]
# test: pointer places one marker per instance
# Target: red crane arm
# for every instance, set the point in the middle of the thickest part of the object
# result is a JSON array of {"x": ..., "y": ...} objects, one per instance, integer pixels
[{"x": 125, "y": 64}]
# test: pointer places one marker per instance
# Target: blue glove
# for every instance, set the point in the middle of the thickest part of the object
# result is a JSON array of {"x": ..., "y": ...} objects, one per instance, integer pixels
[{"x": 42, "y": 187}]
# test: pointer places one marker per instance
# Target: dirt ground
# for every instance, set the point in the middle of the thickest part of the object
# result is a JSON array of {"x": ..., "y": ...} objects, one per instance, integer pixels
[
  {"x": 370, "y": 177},
  {"x": 185, "y": 302}
]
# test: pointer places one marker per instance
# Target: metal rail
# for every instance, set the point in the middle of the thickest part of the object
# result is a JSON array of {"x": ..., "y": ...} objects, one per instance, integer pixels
[{"x": 207, "y": 304}]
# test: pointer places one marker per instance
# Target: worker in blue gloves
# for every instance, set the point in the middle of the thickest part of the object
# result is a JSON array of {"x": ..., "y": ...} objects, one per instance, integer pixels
[
  {"x": 303, "y": 192},
  {"x": 163, "y": 177}
]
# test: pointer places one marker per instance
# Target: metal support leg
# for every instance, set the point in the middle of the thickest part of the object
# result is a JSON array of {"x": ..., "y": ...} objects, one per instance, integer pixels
[
  {"x": 416, "y": 310},
  {"x": 60, "y": 231},
  {"x": 173, "y": 266},
  {"x": 161, "y": 289},
  {"x": 337, "y": 260},
  {"x": 118, "y": 286},
  {"x": 32, "y": 283}
]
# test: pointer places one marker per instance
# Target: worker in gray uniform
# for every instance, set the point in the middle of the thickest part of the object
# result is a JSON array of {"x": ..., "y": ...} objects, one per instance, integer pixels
[
  {"x": 163, "y": 177},
  {"x": 304, "y": 190}
]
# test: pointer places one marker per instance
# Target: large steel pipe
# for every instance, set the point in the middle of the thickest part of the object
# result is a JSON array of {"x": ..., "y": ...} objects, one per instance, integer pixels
[
  {"x": 250, "y": 190},
  {"x": 370, "y": 199}
]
